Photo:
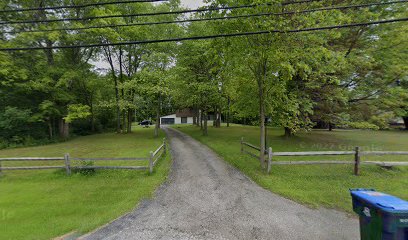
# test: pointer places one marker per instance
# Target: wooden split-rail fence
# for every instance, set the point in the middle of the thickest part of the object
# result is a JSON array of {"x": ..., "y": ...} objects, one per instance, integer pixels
[
  {"x": 153, "y": 158},
  {"x": 357, "y": 153}
]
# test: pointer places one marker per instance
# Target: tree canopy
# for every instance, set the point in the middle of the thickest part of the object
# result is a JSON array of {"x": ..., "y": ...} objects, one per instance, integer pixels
[{"x": 348, "y": 77}]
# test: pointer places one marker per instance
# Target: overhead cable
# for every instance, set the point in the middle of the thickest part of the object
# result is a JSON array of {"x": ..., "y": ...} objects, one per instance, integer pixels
[
  {"x": 213, "y": 18},
  {"x": 209, "y": 36},
  {"x": 78, "y": 6},
  {"x": 152, "y": 13}
]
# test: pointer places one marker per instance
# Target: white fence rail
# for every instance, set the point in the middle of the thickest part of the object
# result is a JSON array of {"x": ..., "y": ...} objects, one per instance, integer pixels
[
  {"x": 153, "y": 158},
  {"x": 357, "y": 153}
]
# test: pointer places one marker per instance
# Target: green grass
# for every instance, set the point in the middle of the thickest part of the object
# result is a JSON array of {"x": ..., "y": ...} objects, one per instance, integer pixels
[
  {"x": 47, "y": 204},
  {"x": 319, "y": 185}
]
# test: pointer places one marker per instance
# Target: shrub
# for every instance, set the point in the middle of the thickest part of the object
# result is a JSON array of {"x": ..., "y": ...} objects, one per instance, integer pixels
[
  {"x": 363, "y": 125},
  {"x": 382, "y": 120},
  {"x": 3, "y": 143},
  {"x": 87, "y": 171},
  {"x": 14, "y": 122}
]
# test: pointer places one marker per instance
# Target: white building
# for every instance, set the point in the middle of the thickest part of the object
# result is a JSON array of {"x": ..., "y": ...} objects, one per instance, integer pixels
[{"x": 180, "y": 117}]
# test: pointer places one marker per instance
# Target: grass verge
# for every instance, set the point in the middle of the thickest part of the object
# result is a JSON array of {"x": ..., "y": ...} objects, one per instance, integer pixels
[
  {"x": 320, "y": 185},
  {"x": 47, "y": 204}
]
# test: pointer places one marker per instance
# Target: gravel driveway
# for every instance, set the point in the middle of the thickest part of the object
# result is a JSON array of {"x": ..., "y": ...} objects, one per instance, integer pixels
[{"x": 205, "y": 198}]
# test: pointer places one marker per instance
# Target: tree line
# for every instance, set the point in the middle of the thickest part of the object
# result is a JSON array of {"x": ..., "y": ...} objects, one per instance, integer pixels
[{"x": 355, "y": 77}]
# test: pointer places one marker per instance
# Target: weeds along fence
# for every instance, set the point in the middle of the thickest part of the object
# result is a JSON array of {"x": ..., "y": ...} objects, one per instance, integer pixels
[
  {"x": 153, "y": 158},
  {"x": 357, "y": 153}
]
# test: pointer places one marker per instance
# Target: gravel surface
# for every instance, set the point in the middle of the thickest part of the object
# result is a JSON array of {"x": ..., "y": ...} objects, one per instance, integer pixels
[{"x": 205, "y": 198}]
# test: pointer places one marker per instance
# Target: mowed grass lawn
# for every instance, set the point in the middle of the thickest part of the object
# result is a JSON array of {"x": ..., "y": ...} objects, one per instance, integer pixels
[
  {"x": 48, "y": 203},
  {"x": 318, "y": 185}
]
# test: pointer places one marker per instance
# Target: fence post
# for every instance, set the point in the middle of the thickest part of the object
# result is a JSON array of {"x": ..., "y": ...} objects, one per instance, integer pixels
[
  {"x": 151, "y": 162},
  {"x": 242, "y": 145},
  {"x": 67, "y": 164},
  {"x": 164, "y": 145},
  {"x": 1, "y": 173},
  {"x": 357, "y": 157},
  {"x": 269, "y": 159}
]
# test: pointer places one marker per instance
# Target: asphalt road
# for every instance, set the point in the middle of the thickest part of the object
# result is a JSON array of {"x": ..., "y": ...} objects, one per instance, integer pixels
[{"x": 205, "y": 198}]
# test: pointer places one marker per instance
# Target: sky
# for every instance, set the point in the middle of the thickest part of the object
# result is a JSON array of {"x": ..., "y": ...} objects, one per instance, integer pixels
[
  {"x": 192, "y": 3},
  {"x": 187, "y": 3}
]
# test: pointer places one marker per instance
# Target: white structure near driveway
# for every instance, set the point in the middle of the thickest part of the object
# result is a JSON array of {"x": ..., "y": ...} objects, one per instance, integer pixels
[{"x": 180, "y": 117}]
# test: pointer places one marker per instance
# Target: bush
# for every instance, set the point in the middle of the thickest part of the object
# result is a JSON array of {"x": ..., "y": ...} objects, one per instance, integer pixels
[
  {"x": 3, "y": 143},
  {"x": 14, "y": 122},
  {"x": 382, "y": 120},
  {"x": 24, "y": 141},
  {"x": 363, "y": 125},
  {"x": 88, "y": 171}
]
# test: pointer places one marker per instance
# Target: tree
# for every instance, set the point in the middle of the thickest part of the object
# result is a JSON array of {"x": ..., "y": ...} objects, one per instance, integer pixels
[{"x": 199, "y": 66}]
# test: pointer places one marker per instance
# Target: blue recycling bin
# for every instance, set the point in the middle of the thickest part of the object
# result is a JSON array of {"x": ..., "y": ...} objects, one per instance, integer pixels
[{"x": 382, "y": 216}]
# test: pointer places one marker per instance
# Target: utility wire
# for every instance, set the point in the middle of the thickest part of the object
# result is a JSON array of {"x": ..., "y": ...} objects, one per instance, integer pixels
[
  {"x": 79, "y": 6},
  {"x": 210, "y": 36},
  {"x": 214, "y": 18},
  {"x": 112, "y": 3},
  {"x": 156, "y": 13}
]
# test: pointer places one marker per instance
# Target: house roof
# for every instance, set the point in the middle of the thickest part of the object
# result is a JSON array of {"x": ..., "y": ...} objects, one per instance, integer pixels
[{"x": 185, "y": 113}]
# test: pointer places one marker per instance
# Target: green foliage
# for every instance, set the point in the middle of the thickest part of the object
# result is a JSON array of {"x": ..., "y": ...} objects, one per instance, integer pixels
[
  {"x": 320, "y": 76},
  {"x": 15, "y": 126},
  {"x": 298, "y": 79},
  {"x": 76, "y": 112},
  {"x": 14, "y": 118},
  {"x": 382, "y": 120},
  {"x": 363, "y": 125}
]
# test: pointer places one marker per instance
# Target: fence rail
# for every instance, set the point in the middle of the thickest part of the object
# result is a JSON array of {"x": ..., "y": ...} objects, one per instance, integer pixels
[
  {"x": 110, "y": 159},
  {"x": 357, "y": 153},
  {"x": 26, "y": 159},
  {"x": 322, "y": 153},
  {"x": 33, "y": 168},
  {"x": 153, "y": 158}
]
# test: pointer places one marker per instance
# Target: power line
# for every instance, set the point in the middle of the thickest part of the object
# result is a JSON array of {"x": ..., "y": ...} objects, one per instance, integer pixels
[
  {"x": 210, "y": 36},
  {"x": 79, "y": 6},
  {"x": 215, "y": 18},
  {"x": 156, "y": 13},
  {"x": 111, "y": 3},
  {"x": 144, "y": 23}
]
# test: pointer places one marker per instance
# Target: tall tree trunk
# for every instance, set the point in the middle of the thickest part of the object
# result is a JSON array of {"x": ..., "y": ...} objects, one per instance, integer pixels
[
  {"x": 288, "y": 132},
  {"x": 50, "y": 130},
  {"x": 330, "y": 127},
  {"x": 266, "y": 134},
  {"x": 195, "y": 117},
  {"x": 405, "y": 122},
  {"x": 262, "y": 131},
  {"x": 129, "y": 126},
  {"x": 49, "y": 53},
  {"x": 228, "y": 113},
  {"x": 123, "y": 124},
  {"x": 63, "y": 129},
  {"x": 66, "y": 130},
  {"x": 218, "y": 118},
  {"x": 260, "y": 74},
  {"x": 157, "y": 127},
  {"x": 205, "y": 127},
  {"x": 122, "y": 89},
  {"x": 108, "y": 55},
  {"x": 117, "y": 106},
  {"x": 201, "y": 120},
  {"x": 198, "y": 117}
]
